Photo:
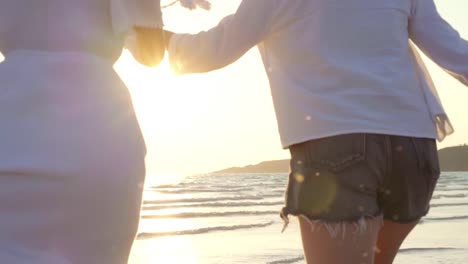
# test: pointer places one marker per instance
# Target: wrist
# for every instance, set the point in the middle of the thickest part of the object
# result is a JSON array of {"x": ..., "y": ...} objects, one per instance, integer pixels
[{"x": 167, "y": 35}]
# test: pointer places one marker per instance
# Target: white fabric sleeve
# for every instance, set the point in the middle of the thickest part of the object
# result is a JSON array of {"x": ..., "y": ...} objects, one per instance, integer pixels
[
  {"x": 225, "y": 43},
  {"x": 127, "y": 14},
  {"x": 438, "y": 40},
  {"x": 431, "y": 96}
]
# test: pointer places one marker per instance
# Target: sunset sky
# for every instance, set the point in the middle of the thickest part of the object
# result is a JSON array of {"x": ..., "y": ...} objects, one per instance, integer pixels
[{"x": 201, "y": 123}]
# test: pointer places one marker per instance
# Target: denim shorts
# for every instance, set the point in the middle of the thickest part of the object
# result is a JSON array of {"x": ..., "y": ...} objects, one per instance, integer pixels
[{"x": 347, "y": 177}]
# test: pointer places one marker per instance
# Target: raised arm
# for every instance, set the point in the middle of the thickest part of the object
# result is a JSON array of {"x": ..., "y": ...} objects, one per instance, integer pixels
[
  {"x": 438, "y": 40},
  {"x": 225, "y": 43},
  {"x": 140, "y": 23},
  {"x": 148, "y": 47}
]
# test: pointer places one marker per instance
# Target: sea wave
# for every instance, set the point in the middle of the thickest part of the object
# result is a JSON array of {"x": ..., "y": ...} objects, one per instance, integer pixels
[
  {"x": 452, "y": 180},
  {"x": 287, "y": 261},
  {"x": 199, "y": 190},
  {"x": 215, "y": 204},
  {"x": 413, "y": 250},
  {"x": 458, "y": 188},
  {"x": 457, "y": 195},
  {"x": 207, "y": 214},
  {"x": 458, "y": 217},
  {"x": 164, "y": 186},
  {"x": 202, "y": 230},
  {"x": 199, "y": 200},
  {"x": 448, "y": 204}
]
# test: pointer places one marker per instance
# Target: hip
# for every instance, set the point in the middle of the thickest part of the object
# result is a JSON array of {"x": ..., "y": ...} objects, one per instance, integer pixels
[{"x": 64, "y": 109}]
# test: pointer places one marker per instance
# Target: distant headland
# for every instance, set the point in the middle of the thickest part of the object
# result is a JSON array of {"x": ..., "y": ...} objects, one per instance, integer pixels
[
  {"x": 451, "y": 159},
  {"x": 454, "y": 158}
]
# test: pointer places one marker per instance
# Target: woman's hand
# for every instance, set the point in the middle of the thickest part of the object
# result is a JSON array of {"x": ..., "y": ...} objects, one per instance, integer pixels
[
  {"x": 151, "y": 46},
  {"x": 167, "y": 38}
]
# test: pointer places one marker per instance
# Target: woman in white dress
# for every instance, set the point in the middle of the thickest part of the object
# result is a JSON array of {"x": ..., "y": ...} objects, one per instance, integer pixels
[{"x": 71, "y": 151}]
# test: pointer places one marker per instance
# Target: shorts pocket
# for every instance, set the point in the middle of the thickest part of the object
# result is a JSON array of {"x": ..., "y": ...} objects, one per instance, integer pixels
[
  {"x": 333, "y": 153},
  {"x": 324, "y": 175}
]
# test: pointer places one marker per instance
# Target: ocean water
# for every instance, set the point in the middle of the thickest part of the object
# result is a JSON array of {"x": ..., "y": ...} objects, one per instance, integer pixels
[{"x": 229, "y": 218}]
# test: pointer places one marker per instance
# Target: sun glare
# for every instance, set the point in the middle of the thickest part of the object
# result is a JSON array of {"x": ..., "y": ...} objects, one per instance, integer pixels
[
  {"x": 160, "y": 97},
  {"x": 170, "y": 249},
  {"x": 170, "y": 109}
]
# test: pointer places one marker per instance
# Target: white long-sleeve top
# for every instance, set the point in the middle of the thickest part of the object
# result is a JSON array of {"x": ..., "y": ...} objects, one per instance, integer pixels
[{"x": 336, "y": 66}]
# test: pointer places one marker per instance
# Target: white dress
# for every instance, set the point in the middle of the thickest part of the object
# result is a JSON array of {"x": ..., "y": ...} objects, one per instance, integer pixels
[{"x": 71, "y": 151}]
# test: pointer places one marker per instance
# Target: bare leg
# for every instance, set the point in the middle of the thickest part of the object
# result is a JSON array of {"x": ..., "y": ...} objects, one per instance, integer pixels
[
  {"x": 391, "y": 237},
  {"x": 340, "y": 243}
]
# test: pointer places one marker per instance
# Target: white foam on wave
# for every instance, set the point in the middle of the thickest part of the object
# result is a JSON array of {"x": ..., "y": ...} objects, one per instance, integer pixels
[
  {"x": 213, "y": 204},
  {"x": 416, "y": 250},
  {"x": 199, "y": 190},
  {"x": 458, "y": 217},
  {"x": 448, "y": 204},
  {"x": 203, "y": 230},
  {"x": 457, "y": 195},
  {"x": 208, "y": 214},
  {"x": 198, "y": 200},
  {"x": 287, "y": 261}
]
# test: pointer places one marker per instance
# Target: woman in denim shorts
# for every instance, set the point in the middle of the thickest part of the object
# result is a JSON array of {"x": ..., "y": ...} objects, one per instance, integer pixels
[{"x": 355, "y": 107}]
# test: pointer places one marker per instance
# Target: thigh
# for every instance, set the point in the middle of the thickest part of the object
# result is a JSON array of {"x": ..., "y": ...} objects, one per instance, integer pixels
[
  {"x": 102, "y": 216},
  {"x": 72, "y": 158},
  {"x": 30, "y": 214},
  {"x": 354, "y": 244},
  {"x": 391, "y": 236},
  {"x": 47, "y": 219}
]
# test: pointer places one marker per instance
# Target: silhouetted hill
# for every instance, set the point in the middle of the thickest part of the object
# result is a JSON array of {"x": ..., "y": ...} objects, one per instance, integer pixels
[
  {"x": 454, "y": 158},
  {"x": 272, "y": 166},
  {"x": 451, "y": 159}
]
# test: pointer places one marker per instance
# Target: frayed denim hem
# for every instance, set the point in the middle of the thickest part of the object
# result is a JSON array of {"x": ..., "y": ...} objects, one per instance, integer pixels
[{"x": 336, "y": 228}]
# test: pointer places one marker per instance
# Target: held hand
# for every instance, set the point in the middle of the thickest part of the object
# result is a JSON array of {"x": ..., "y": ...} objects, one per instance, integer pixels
[
  {"x": 167, "y": 38},
  {"x": 150, "y": 46}
]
